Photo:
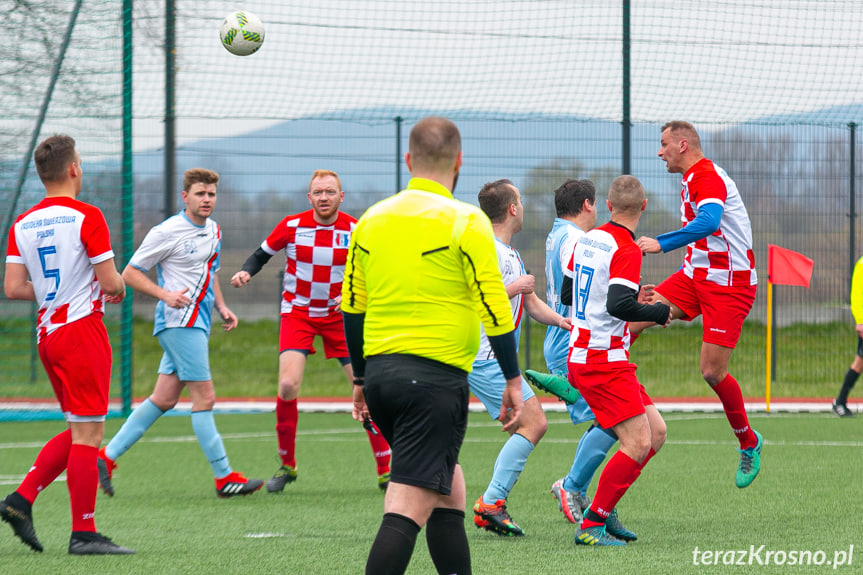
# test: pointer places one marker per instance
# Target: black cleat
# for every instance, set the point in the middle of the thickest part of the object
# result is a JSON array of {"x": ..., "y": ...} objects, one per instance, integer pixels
[
  {"x": 92, "y": 543},
  {"x": 21, "y": 522},
  {"x": 235, "y": 483}
]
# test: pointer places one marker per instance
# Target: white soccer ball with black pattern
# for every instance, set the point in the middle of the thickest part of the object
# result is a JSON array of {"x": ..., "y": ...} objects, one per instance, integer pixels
[{"x": 242, "y": 33}]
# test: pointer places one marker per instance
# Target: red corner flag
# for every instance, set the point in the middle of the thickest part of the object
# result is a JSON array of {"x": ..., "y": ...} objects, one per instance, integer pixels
[{"x": 786, "y": 267}]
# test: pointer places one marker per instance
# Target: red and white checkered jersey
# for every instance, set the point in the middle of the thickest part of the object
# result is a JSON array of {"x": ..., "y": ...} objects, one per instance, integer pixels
[
  {"x": 315, "y": 257},
  {"x": 59, "y": 240},
  {"x": 604, "y": 256},
  {"x": 725, "y": 257}
]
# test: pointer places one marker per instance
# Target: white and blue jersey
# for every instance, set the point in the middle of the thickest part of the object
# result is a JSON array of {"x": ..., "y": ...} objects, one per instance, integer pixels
[
  {"x": 186, "y": 256},
  {"x": 558, "y": 249},
  {"x": 559, "y": 245},
  {"x": 486, "y": 379}
]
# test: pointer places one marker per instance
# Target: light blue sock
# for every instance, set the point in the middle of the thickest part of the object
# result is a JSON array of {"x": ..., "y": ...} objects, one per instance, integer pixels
[
  {"x": 509, "y": 465},
  {"x": 134, "y": 427},
  {"x": 211, "y": 442},
  {"x": 591, "y": 451}
]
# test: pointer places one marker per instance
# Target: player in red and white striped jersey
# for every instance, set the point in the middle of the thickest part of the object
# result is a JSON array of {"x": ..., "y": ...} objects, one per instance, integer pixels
[
  {"x": 603, "y": 273},
  {"x": 718, "y": 279},
  {"x": 316, "y": 247},
  {"x": 64, "y": 247}
]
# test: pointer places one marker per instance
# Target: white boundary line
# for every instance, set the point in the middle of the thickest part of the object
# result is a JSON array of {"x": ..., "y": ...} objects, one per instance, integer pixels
[{"x": 706, "y": 406}]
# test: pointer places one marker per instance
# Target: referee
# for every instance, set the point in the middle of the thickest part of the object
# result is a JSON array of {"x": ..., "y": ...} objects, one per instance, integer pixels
[{"x": 421, "y": 275}]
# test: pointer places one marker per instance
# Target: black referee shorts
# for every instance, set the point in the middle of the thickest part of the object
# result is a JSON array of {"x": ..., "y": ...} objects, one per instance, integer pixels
[{"x": 420, "y": 406}]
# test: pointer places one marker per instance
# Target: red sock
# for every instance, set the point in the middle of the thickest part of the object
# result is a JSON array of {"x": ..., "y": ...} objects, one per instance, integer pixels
[
  {"x": 619, "y": 473},
  {"x": 287, "y": 415},
  {"x": 731, "y": 397},
  {"x": 650, "y": 455},
  {"x": 380, "y": 449},
  {"x": 82, "y": 479},
  {"x": 50, "y": 463}
]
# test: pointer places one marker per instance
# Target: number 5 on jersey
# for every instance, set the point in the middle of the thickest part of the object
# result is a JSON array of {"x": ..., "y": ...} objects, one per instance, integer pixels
[{"x": 49, "y": 273}]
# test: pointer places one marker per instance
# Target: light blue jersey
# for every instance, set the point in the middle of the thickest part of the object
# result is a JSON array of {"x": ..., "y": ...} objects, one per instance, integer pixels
[
  {"x": 558, "y": 249},
  {"x": 186, "y": 256}
]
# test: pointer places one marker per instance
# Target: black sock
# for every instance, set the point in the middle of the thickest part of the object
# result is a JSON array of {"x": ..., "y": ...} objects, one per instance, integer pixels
[
  {"x": 847, "y": 384},
  {"x": 391, "y": 552},
  {"x": 592, "y": 515},
  {"x": 447, "y": 542}
]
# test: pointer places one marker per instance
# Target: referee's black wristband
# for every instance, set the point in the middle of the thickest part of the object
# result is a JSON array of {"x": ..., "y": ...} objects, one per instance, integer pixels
[{"x": 359, "y": 381}]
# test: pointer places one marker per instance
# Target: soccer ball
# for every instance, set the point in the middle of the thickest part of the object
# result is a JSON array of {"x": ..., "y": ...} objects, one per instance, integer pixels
[{"x": 242, "y": 33}]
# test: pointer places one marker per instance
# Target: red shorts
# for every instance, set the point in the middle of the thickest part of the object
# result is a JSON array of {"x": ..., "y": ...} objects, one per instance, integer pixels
[
  {"x": 297, "y": 332},
  {"x": 77, "y": 358},
  {"x": 611, "y": 390},
  {"x": 724, "y": 308}
]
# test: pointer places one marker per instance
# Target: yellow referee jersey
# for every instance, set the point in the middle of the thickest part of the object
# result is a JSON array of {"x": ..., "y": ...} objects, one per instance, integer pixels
[
  {"x": 857, "y": 292},
  {"x": 423, "y": 269}
]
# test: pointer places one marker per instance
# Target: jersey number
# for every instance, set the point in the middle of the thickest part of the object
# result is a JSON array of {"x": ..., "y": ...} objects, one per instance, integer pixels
[
  {"x": 49, "y": 273},
  {"x": 583, "y": 279}
]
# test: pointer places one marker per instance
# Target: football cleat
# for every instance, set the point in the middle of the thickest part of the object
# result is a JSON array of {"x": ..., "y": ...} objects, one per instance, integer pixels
[
  {"x": 841, "y": 410},
  {"x": 384, "y": 481},
  {"x": 750, "y": 463},
  {"x": 284, "y": 475},
  {"x": 556, "y": 385},
  {"x": 92, "y": 543},
  {"x": 235, "y": 483},
  {"x": 21, "y": 522},
  {"x": 572, "y": 505},
  {"x": 494, "y": 518},
  {"x": 106, "y": 472},
  {"x": 596, "y": 535},
  {"x": 615, "y": 528}
]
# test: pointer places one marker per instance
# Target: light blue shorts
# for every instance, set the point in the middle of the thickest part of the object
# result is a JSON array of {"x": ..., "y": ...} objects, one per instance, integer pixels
[
  {"x": 187, "y": 353},
  {"x": 579, "y": 412},
  {"x": 487, "y": 383}
]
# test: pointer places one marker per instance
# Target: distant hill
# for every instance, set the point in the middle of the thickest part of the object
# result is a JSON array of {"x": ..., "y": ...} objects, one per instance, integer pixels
[
  {"x": 362, "y": 149},
  {"x": 283, "y": 156}
]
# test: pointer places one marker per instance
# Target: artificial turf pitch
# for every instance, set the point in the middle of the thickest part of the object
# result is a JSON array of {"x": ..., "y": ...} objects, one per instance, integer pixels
[{"x": 804, "y": 505}]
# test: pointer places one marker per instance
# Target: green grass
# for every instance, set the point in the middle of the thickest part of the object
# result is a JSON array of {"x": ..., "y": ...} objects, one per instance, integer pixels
[
  {"x": 165, "y": 506},
  {"x": 810, "y": 361}
]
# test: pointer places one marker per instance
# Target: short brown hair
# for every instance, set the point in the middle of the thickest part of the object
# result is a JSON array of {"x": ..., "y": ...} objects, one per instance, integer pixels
[
  {"x": 322, "y": 174},
  {"x": 434, "y": 144},
  {"x": 495, "y": 198},
  {"x": 199, "y": 176},
  {"x": 53, "y": 156},
  {"x": 626, "y": 194},
  {"x": 684, "y": 129}
]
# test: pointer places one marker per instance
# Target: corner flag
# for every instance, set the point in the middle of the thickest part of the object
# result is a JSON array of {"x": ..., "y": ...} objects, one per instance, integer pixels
[{"x": 786, "y": 267}]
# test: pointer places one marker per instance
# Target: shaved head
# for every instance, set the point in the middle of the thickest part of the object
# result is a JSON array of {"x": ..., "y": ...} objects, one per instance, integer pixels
[
  {"x": 626, "y": 195},
  {"x": 434, "y": 145}
]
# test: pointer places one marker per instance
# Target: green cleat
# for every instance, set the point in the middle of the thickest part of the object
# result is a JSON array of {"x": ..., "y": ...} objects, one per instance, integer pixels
[
  {"x": 384, "y": 481},
  {"x": 750, "y": 463},
  {"x": 596, "y": 535},
  {"x": 615, "y": 528},
  {"x": 556, "y": 385}
]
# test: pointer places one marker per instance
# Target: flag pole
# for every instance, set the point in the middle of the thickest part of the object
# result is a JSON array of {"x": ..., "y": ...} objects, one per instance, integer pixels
[{"x": 769, "y": 346}]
